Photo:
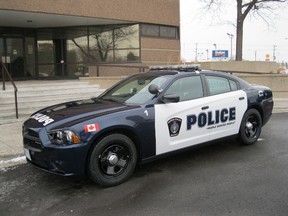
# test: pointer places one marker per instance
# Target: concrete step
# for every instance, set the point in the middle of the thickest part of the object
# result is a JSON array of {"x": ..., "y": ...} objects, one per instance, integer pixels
[
  {"x": 35, "y": 95},
  {"x": 28, "y": 98}
]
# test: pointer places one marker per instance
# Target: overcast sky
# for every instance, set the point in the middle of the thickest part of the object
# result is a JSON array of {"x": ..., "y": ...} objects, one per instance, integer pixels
[{"x": 206, "y": 29}]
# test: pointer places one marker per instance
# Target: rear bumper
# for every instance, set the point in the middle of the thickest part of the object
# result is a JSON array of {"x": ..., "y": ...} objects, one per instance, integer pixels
[{"x": 268, "y": 105}]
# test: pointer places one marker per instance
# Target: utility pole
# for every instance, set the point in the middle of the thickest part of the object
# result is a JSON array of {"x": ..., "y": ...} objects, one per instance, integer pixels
[
  {"x": 255, "y": 55},
  {"x": 231, "y": 36},
  {"x": 196, "y": 52},
  {"x": 274, "y": 51}
]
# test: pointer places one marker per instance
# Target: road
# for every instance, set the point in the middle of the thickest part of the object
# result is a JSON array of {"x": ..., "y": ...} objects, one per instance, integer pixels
[{"x": 217, "y": 179}]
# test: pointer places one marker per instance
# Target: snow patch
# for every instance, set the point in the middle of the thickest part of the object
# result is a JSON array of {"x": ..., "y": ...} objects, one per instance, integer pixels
[{"x": 14, "y": 160}]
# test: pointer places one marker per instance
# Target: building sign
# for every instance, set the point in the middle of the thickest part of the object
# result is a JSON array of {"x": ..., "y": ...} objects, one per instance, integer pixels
[{"x": 219, "y": 54}]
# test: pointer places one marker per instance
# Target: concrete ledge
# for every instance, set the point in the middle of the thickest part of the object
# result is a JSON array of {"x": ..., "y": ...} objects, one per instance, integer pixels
[
  {"x": 104, "y": 82},
  {"x": 277, "y": 82},
  {"x": 241, "y": 66}
]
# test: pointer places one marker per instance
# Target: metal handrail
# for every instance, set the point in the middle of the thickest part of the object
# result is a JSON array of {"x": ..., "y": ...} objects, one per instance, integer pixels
[{"x": 5, "y": 71}]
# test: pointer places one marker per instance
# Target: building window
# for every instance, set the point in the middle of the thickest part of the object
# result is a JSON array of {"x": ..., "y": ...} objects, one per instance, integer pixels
[
  {"x": 166, "y": 31},
  {"x": 67, "y": 51},
  {"x": 149, "y": 30},
  {"x": 114, "y": 44}
]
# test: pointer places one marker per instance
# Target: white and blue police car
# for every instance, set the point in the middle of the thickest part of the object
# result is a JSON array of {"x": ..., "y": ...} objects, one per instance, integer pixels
[{"x": 143, "y": 117}]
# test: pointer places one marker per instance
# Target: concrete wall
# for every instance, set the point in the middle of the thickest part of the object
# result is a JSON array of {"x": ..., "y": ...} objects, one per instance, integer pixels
[
  {"x": 277, "y": 82},
  {"x": 114, "y": 70},
  {"x": 104, "y": 82},
  {"x": 241, "y": 66},
  {"x": 164, "y": 12}
]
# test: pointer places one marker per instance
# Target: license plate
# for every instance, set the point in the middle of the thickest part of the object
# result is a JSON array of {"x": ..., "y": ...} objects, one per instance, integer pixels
[{"x": 27, "y": 154}]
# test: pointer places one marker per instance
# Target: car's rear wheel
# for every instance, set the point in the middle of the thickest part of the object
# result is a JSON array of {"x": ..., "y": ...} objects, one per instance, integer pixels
[
  {"x": 112, "y": 160},
  {"x": 250, "y": 128}
]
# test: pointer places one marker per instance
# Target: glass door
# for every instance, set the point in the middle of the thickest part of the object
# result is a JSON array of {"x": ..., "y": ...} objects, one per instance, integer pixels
[{"x": 12, "y": 53}]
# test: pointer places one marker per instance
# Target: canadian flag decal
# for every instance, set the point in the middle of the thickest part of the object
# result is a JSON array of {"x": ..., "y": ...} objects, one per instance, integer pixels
[{"x": 91, "y": 127}]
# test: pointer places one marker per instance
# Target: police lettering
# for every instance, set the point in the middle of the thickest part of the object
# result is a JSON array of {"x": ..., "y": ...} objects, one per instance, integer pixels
[
  {"x": 211, "y": 118},
  {"x": 42, "y": 118}
]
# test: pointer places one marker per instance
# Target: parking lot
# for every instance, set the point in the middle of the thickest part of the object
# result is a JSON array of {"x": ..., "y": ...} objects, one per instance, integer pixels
[{"x": 217, "y": 179}]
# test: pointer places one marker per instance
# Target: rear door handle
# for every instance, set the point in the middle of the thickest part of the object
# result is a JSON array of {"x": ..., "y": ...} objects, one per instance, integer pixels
[
  {"x": 241, "y": 98},
  {"x": 205, "y": 107}
]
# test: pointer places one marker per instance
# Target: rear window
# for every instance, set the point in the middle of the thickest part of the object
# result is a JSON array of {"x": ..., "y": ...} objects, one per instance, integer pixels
[{"x": 218, "y": 85}]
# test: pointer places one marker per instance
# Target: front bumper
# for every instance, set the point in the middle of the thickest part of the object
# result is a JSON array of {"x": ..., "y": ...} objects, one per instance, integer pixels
[{"x": 65, "y": 160}]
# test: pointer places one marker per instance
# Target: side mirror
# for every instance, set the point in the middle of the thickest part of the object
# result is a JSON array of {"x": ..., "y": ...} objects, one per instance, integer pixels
[
  {"x": 153, "y": 89},
  {"x": 170, "y": 98}
]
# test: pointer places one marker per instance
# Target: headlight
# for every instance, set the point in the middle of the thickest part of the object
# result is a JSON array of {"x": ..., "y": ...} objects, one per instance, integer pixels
[{"x": 63, "y": 137}]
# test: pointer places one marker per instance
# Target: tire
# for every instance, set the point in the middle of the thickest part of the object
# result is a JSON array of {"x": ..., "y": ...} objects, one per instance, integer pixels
[
  {"x": 250, "y": 128},
  {"x": 112, "y": 161}
]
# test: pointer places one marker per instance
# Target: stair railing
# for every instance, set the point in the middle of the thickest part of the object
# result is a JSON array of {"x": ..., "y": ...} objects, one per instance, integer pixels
[{"x": 4, "y": 74}]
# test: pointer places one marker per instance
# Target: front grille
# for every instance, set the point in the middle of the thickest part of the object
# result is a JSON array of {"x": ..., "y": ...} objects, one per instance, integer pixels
[
  {"x": 30, "y": 133},
  {"x": 31, "y": 139}
]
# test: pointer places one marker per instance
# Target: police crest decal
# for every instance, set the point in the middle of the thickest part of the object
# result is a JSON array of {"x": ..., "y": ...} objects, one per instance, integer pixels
[{"x": 174, "y": 126}]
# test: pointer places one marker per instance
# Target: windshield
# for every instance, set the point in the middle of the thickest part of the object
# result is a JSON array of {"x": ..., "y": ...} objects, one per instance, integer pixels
[{"x": 134, "y": 90}]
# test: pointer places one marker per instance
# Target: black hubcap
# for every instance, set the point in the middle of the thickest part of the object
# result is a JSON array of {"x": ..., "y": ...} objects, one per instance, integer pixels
[{"x": 114, "y": 160}]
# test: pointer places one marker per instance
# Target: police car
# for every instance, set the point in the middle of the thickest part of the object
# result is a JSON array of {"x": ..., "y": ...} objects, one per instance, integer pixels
[{"x": 143, "y": 117}]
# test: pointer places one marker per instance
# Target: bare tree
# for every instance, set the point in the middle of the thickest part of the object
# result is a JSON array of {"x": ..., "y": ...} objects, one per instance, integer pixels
[{"x": 258, "y": 8}]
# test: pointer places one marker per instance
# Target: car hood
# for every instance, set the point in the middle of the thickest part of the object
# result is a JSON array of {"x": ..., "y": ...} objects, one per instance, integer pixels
[{"x": 75, "y": 111}]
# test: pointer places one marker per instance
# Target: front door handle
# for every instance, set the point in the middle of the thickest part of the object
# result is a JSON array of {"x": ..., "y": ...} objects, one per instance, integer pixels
[{"x": 241, "y": 98}]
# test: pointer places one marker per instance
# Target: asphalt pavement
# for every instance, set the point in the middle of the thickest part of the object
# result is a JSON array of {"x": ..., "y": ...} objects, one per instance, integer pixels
[{"x": 223, "y": 178}]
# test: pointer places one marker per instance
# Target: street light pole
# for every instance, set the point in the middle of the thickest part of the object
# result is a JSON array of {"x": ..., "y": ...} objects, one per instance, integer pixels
[
  {"x": 215, "y": 46},
  {"x": 196, "y": 52},
  {"x": 231, "y": 36}
]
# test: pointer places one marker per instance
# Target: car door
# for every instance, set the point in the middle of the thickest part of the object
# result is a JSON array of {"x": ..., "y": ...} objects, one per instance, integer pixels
[
  {"x": 175, "y": 122},
  {"x": 226, "y": 107}
]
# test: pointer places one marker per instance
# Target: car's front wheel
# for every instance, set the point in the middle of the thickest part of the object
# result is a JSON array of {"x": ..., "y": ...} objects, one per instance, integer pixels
[
  {"x": 112, "y": 160},
  {"x": 250, "y": 128}
]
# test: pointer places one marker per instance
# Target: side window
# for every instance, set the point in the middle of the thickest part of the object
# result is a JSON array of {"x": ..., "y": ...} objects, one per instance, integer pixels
[
  {"x": 233, "y": 85},
  {"x": 218, "y": 85},
  {"x": 187, "y": 88}
]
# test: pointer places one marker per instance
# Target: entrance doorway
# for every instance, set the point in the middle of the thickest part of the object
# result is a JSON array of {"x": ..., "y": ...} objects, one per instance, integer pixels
[
  {"x": 12, "y": 53},
  {"x": 52, "y": 58}
]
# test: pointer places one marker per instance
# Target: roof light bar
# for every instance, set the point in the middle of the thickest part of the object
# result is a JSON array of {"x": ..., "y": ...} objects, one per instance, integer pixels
[{"x": 190, "y": 67}]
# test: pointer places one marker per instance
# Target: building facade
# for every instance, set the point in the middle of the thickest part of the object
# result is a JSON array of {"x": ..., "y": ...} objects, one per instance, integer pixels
[{"x": 66, "y": 39}]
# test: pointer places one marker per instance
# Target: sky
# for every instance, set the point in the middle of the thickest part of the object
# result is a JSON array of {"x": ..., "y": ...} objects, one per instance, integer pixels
[{"x": 208, "y": 31}]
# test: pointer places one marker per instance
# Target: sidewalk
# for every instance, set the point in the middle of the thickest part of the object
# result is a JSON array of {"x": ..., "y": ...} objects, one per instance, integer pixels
[{"x": 11, "y": 146}]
